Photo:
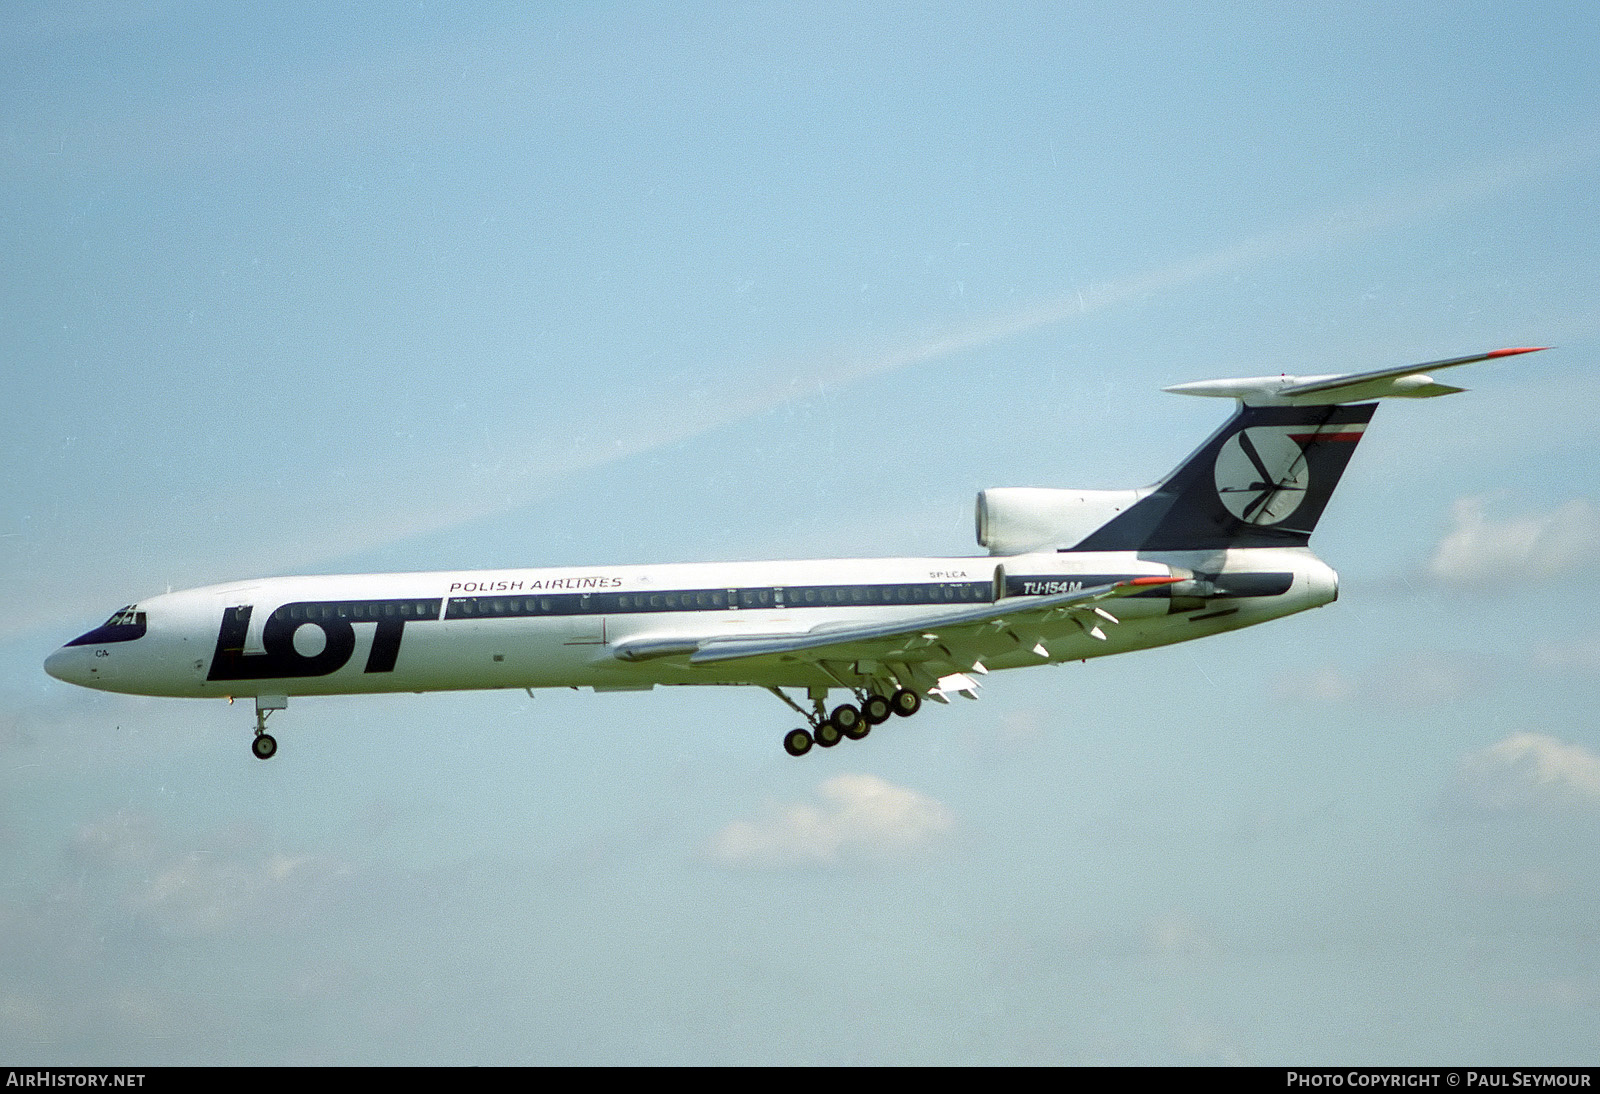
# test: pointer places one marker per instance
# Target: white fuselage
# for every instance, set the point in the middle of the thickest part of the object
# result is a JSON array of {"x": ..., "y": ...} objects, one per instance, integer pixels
[{"x": 573, "y": 627}]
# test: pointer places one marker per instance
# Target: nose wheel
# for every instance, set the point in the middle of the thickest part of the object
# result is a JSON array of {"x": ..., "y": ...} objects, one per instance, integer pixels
[{"x": 265, "y": 746}]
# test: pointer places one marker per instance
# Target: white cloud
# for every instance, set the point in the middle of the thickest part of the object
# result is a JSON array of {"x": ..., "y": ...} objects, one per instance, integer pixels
[
  {"x": 861, "y": 818},
  {"x": 126, "y": 838},
  {"x": 1424, "y": 678},
  {"x": 1529, "y": 773},
  {"x": 1328, "y": 684},
  {"x": 1579, "y": 656},
  {"x": 1178, "y": 935},
  {"x": 203, "y": 892},
  {"x": 1480, "y": 550},
  {"x": 241, "y": 882}
]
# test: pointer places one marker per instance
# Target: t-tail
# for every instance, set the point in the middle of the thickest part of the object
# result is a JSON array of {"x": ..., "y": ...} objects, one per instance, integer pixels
[{"x": 1262, "y": 480}]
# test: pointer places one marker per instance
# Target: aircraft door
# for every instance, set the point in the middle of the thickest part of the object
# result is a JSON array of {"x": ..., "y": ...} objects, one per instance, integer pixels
[{"x": 588, "y": 626}]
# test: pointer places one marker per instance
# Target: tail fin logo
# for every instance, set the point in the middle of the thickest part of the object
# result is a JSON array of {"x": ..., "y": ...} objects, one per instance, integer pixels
[{"x": 1262, "y": 475}]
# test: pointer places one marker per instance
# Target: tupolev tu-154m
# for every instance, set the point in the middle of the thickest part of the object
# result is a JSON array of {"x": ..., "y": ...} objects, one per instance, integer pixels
[{"x": 1218, "y": 544}]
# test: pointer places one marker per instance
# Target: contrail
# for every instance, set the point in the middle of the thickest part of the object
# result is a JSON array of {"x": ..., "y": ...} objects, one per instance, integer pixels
[
  {"x": 518, "y": 481},
  {"x": 521, "y": 469}
]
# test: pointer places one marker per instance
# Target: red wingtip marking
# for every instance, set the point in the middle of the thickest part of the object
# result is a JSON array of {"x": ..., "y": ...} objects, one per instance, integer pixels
[
  {"x": 1515, "y": 351},
  {"x": 1154, "y": 580}
]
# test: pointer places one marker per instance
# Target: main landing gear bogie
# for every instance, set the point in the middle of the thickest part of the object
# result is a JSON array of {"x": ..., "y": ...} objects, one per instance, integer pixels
[{"x": 846, "y": 720}]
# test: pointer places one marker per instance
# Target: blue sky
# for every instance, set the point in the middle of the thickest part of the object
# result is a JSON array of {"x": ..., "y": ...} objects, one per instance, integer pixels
[{"x": 334, "y": 288}]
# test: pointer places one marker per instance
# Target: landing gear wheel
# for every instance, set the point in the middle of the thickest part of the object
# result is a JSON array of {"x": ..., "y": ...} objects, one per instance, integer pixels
[
  {"x": 875, "y": 710},
  {"x": 905, "y": 703},
  {"x": 265, "y": 746},
  {"x": 827, "y": 734},
  {"x": 847, "y": 720},
  {"x": 797, "y": 742}
]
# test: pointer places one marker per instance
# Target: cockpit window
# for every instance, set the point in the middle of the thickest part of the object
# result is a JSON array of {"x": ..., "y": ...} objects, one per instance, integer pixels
[{"x": 125, "y": 625}]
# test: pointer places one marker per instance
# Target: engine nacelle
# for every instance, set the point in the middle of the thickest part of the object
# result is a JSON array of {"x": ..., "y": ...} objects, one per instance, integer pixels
[{"x": 1014, "y": 520}]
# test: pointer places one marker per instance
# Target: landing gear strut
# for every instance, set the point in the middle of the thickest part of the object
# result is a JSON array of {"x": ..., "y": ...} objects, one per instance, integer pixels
[{"x": 265, "y": 745}]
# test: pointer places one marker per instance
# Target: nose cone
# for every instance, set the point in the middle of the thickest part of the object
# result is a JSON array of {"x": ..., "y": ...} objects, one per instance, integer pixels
[{"x": 65, "y": 664}]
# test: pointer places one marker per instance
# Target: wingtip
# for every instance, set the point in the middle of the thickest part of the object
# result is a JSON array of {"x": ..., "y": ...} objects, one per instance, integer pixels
[{"x": 1512, "y": 352}]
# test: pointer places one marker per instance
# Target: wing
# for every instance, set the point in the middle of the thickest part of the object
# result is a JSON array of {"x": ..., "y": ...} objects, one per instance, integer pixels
[{"x": 914, "y": 651}]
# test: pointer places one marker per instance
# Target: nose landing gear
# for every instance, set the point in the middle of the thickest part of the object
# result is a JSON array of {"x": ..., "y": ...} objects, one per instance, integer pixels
[{"x": 265, "y": 745}]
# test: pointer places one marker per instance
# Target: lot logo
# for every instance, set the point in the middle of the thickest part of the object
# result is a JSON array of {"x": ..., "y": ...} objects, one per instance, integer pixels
[
  {"x": 293, "y": 646},
  {"x": 1261, "y": 475}
]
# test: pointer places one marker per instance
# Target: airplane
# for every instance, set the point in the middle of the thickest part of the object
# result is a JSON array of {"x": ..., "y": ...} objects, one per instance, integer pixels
[{"x": 1220, "y": 543}]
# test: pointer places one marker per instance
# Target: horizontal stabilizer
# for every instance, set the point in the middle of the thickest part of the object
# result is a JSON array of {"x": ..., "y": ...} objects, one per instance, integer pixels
[{"x": 1406, "y": 382}]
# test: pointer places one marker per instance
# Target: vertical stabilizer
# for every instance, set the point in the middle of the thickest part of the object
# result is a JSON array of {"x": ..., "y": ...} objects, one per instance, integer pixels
[{"x": 1263, "y": 479}]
